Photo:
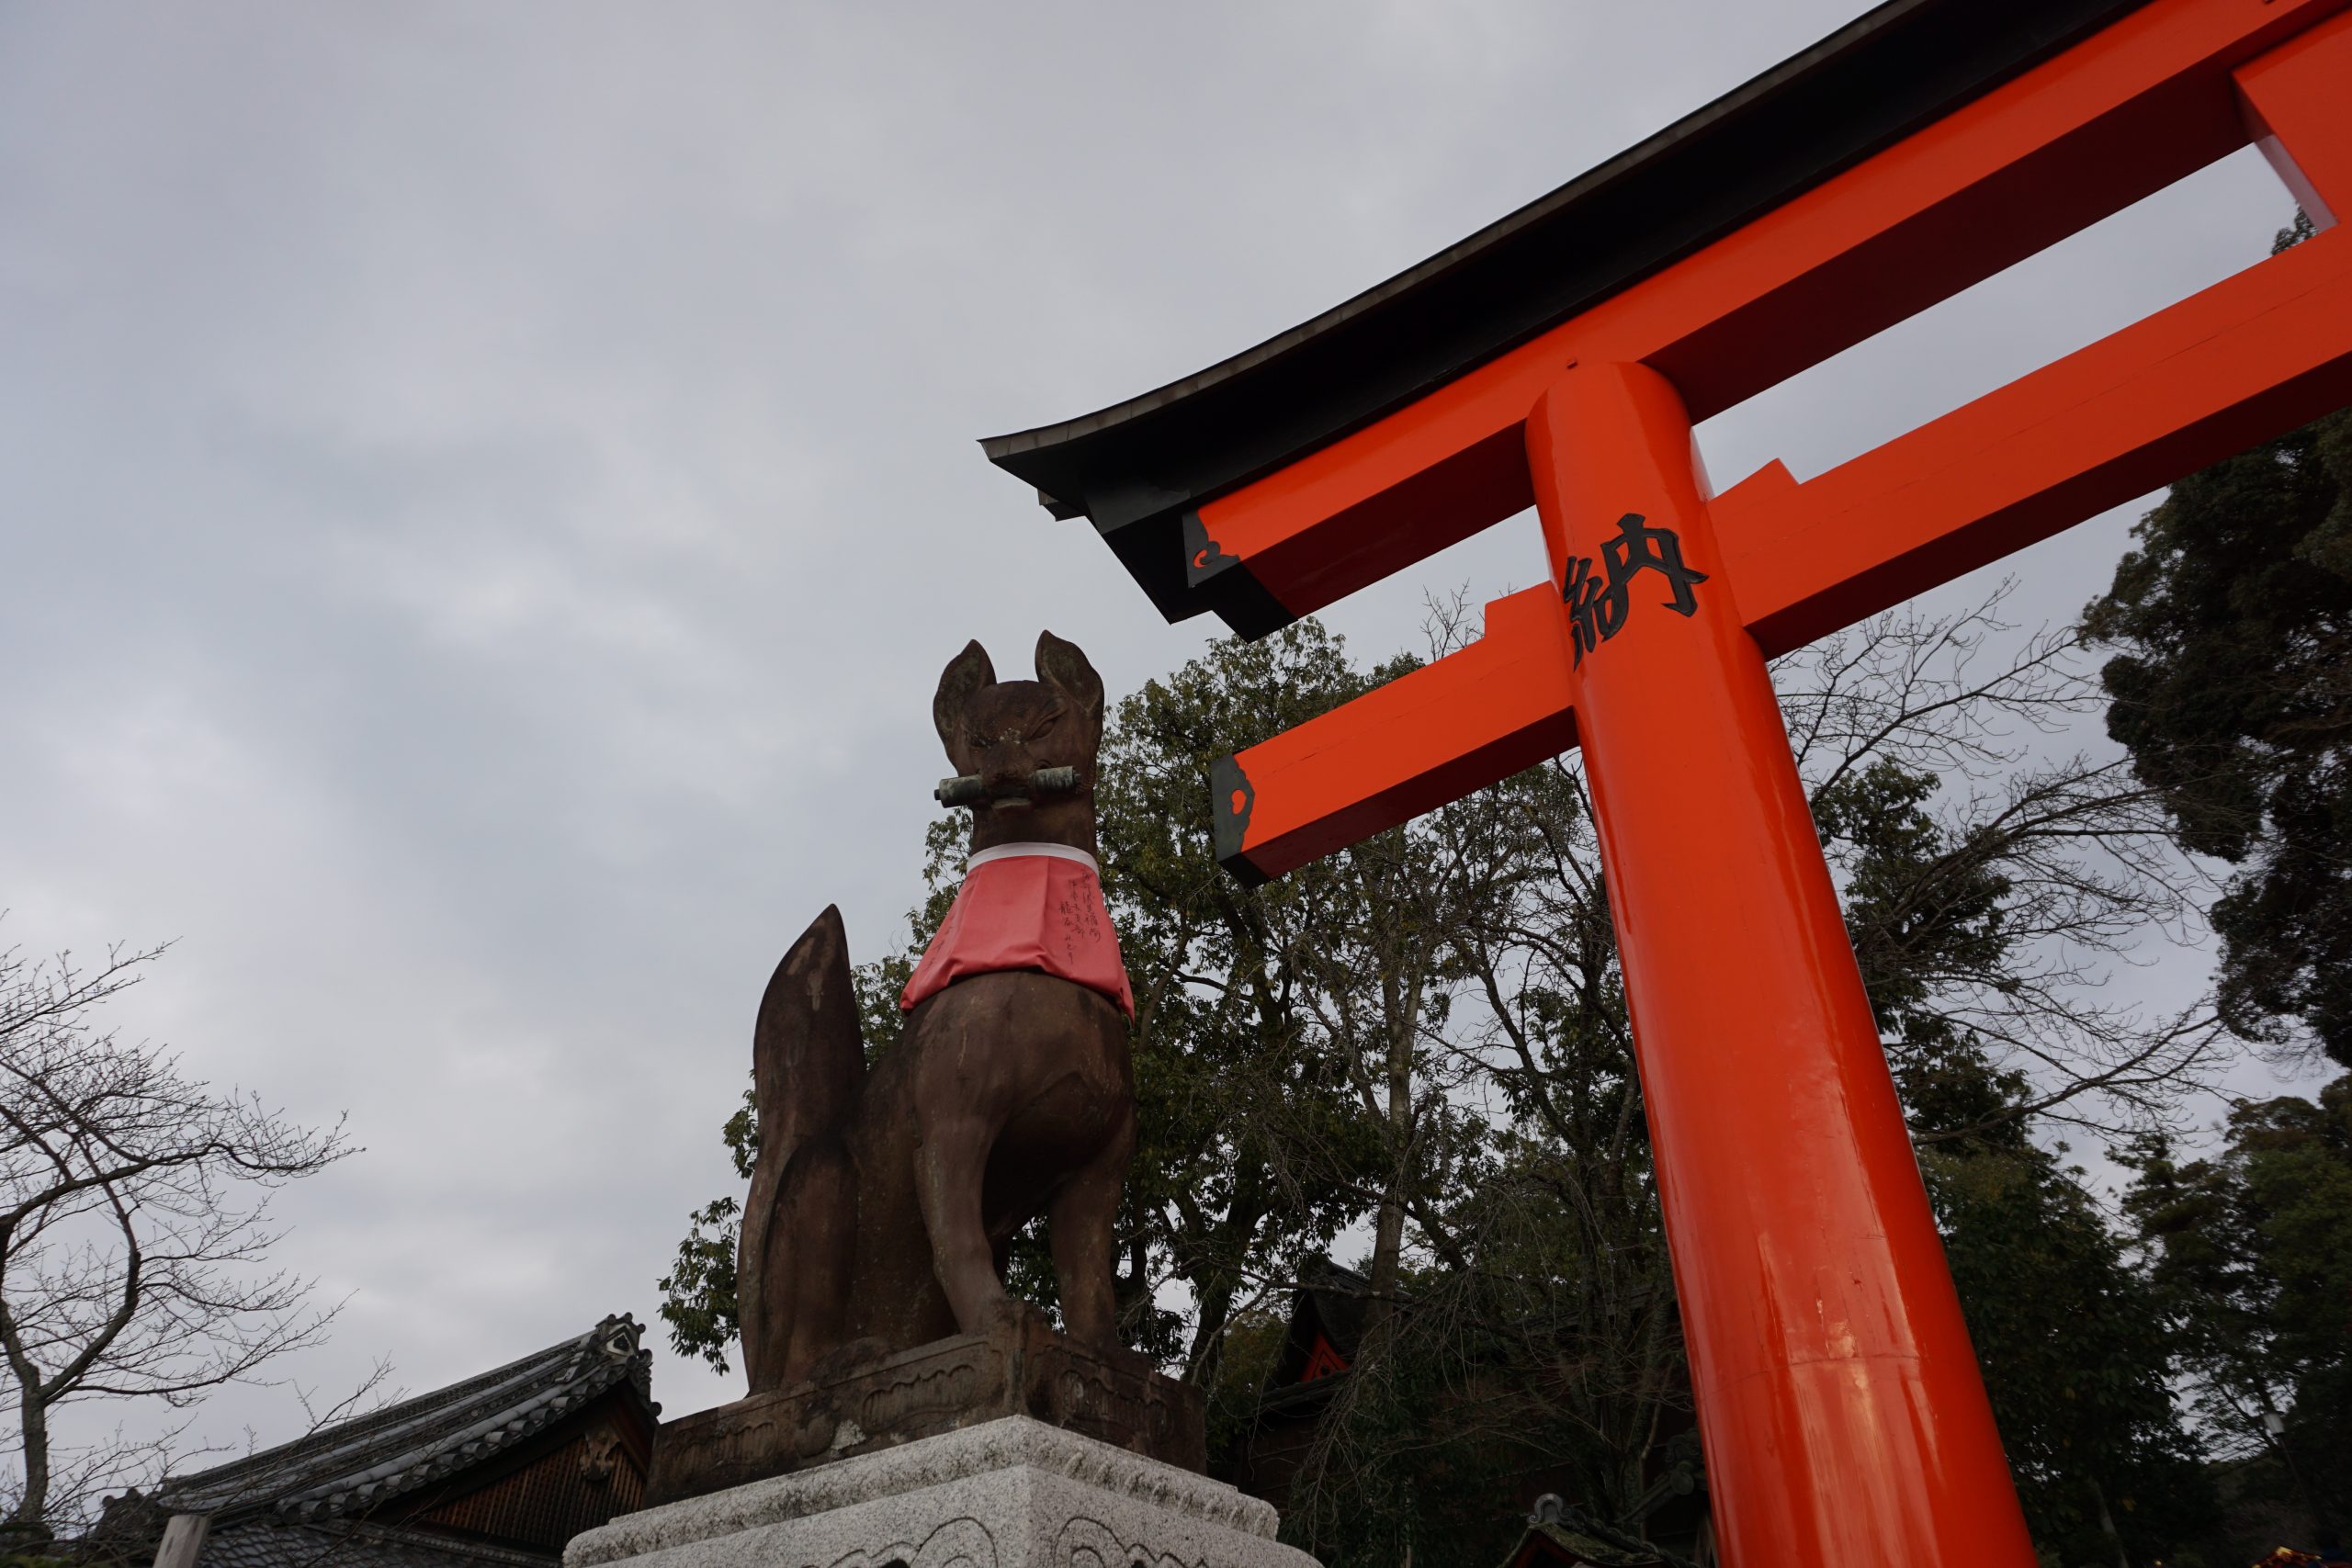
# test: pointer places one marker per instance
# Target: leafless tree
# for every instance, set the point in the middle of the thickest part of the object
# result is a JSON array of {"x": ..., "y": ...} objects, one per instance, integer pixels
[
  {"x": 2072, "y": 852},
  {"x": 1994, "y": 890},
  {"x": 134, "y": 1228}
]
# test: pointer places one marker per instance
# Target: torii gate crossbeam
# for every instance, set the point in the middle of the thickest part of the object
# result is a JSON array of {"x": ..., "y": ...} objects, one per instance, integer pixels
[{"x": 1842, "y": 1413}]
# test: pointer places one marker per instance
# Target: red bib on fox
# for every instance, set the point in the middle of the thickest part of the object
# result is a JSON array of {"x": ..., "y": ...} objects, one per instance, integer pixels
[{"x": 1026, "y": 907}]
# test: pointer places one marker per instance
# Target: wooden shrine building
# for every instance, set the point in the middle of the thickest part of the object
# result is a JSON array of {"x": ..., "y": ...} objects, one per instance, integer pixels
[{"x": 497, "y": 1472}]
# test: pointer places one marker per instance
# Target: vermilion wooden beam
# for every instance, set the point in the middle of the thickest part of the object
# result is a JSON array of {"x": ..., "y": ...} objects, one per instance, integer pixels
[
  {"x": 2234, "y": 364},
  {"x": 2121, "y": 114},
  {"x": 1482, "y": 714}
]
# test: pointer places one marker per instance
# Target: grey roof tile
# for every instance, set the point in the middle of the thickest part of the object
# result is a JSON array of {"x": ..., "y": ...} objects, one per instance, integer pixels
[{"x": 353, "y": 1467}]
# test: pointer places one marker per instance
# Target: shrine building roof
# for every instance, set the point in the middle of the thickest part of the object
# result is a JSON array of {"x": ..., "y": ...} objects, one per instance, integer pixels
[
  {"x": 353, "y": 1468},
  {"x": 1137, "y": 467}
]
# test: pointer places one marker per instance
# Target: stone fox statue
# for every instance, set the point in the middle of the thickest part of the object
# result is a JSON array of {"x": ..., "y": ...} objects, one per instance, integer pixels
[{"x": 884, "y": 1198}]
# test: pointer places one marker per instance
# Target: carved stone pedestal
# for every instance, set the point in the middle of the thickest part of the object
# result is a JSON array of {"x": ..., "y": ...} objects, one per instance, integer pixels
[
  {"x": 1011, "y": 1494},
  {"x": 864, "y": 1404}
]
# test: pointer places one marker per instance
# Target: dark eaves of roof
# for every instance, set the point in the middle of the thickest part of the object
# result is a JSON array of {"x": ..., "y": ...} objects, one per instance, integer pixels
[
  {"x": 1335, "y": 1297},
  {"x": 351, "y": 1467},
  {"x": 1136, "y": 468},
  {"x": 1327, "y": 1301}
]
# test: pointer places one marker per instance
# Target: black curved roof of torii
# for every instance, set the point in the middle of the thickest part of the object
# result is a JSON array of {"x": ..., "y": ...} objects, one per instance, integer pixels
[{"x": 1136, "y": 468}]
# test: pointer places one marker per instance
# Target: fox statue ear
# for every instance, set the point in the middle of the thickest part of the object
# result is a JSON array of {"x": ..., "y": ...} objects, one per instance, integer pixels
[
  {"x": 1062, "y": 666},
  {"x": 966, "y": 674}
]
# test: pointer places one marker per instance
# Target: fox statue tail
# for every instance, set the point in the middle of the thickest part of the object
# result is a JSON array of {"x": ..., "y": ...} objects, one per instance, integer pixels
[{"x": 807, "y": 1063}]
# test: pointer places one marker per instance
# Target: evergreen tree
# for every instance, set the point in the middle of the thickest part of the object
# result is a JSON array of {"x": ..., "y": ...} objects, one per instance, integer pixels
[
  {"x": 2076, "y": 1356},
  {"x": 2253, "y": 1261},
  {"x": 2233, "y": 690}
]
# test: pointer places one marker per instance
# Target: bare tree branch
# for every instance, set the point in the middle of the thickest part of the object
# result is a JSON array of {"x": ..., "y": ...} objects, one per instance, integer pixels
[{"x": 133, "y": 1226}]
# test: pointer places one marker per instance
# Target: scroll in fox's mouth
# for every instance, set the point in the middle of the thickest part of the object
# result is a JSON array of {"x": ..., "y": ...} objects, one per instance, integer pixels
[{"x": 971, "y": 789}]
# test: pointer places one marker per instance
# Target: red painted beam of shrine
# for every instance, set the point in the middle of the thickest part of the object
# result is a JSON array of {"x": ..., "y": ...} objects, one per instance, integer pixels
[
  {"x": 1501, "y": 704},
  {"x": 2231, "y": 365},
  {"x": 2137, "y": 107}
]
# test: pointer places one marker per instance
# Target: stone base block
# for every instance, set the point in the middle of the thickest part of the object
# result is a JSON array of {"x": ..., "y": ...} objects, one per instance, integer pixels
[
  {"x": 1011, "y": 1494},
  {"x": 858, "y": 1404}
]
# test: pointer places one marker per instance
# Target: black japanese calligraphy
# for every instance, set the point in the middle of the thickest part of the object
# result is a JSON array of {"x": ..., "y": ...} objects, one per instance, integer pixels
[{"x": 1598, "y": 600}]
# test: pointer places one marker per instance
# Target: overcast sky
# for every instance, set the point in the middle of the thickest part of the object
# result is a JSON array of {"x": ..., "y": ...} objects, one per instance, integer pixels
[{"x": 486, "y": 491}]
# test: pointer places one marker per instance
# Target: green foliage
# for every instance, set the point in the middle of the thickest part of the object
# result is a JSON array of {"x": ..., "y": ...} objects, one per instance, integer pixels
[
  {"x": 1532, "y": 1363},
  {"x": 2232, "y": 689},
  {"x": 2076, "y": 1357},
  {"x": 698, "y": 1292},
  {"x": 2253, "y": 1263},
  {"x": 1416, "y": 1458},
  {"x": 1250, "y": 1346},
  {"x": 1552, "y": 1325},
  {"x": 1922, "y": 903},
  {"x": 1251, "y": 1148}
]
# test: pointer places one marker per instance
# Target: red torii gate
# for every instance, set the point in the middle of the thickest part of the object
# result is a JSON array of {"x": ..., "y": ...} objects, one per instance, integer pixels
[{"x": 1560, "y": 359}]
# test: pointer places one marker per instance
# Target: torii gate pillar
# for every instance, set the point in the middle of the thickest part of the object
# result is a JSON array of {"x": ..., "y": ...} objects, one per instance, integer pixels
[
  {"x": 1827, "y": 1345},
  {"x": 1558, "y": 358}
]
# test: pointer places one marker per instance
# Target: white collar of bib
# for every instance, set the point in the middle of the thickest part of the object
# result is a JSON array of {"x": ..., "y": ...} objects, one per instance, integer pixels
[{"x": 1014, "y": 852}]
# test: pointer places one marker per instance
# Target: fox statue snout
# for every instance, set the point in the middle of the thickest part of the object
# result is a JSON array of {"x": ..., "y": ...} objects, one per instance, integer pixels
[{"x": 882, "y": 1199}]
